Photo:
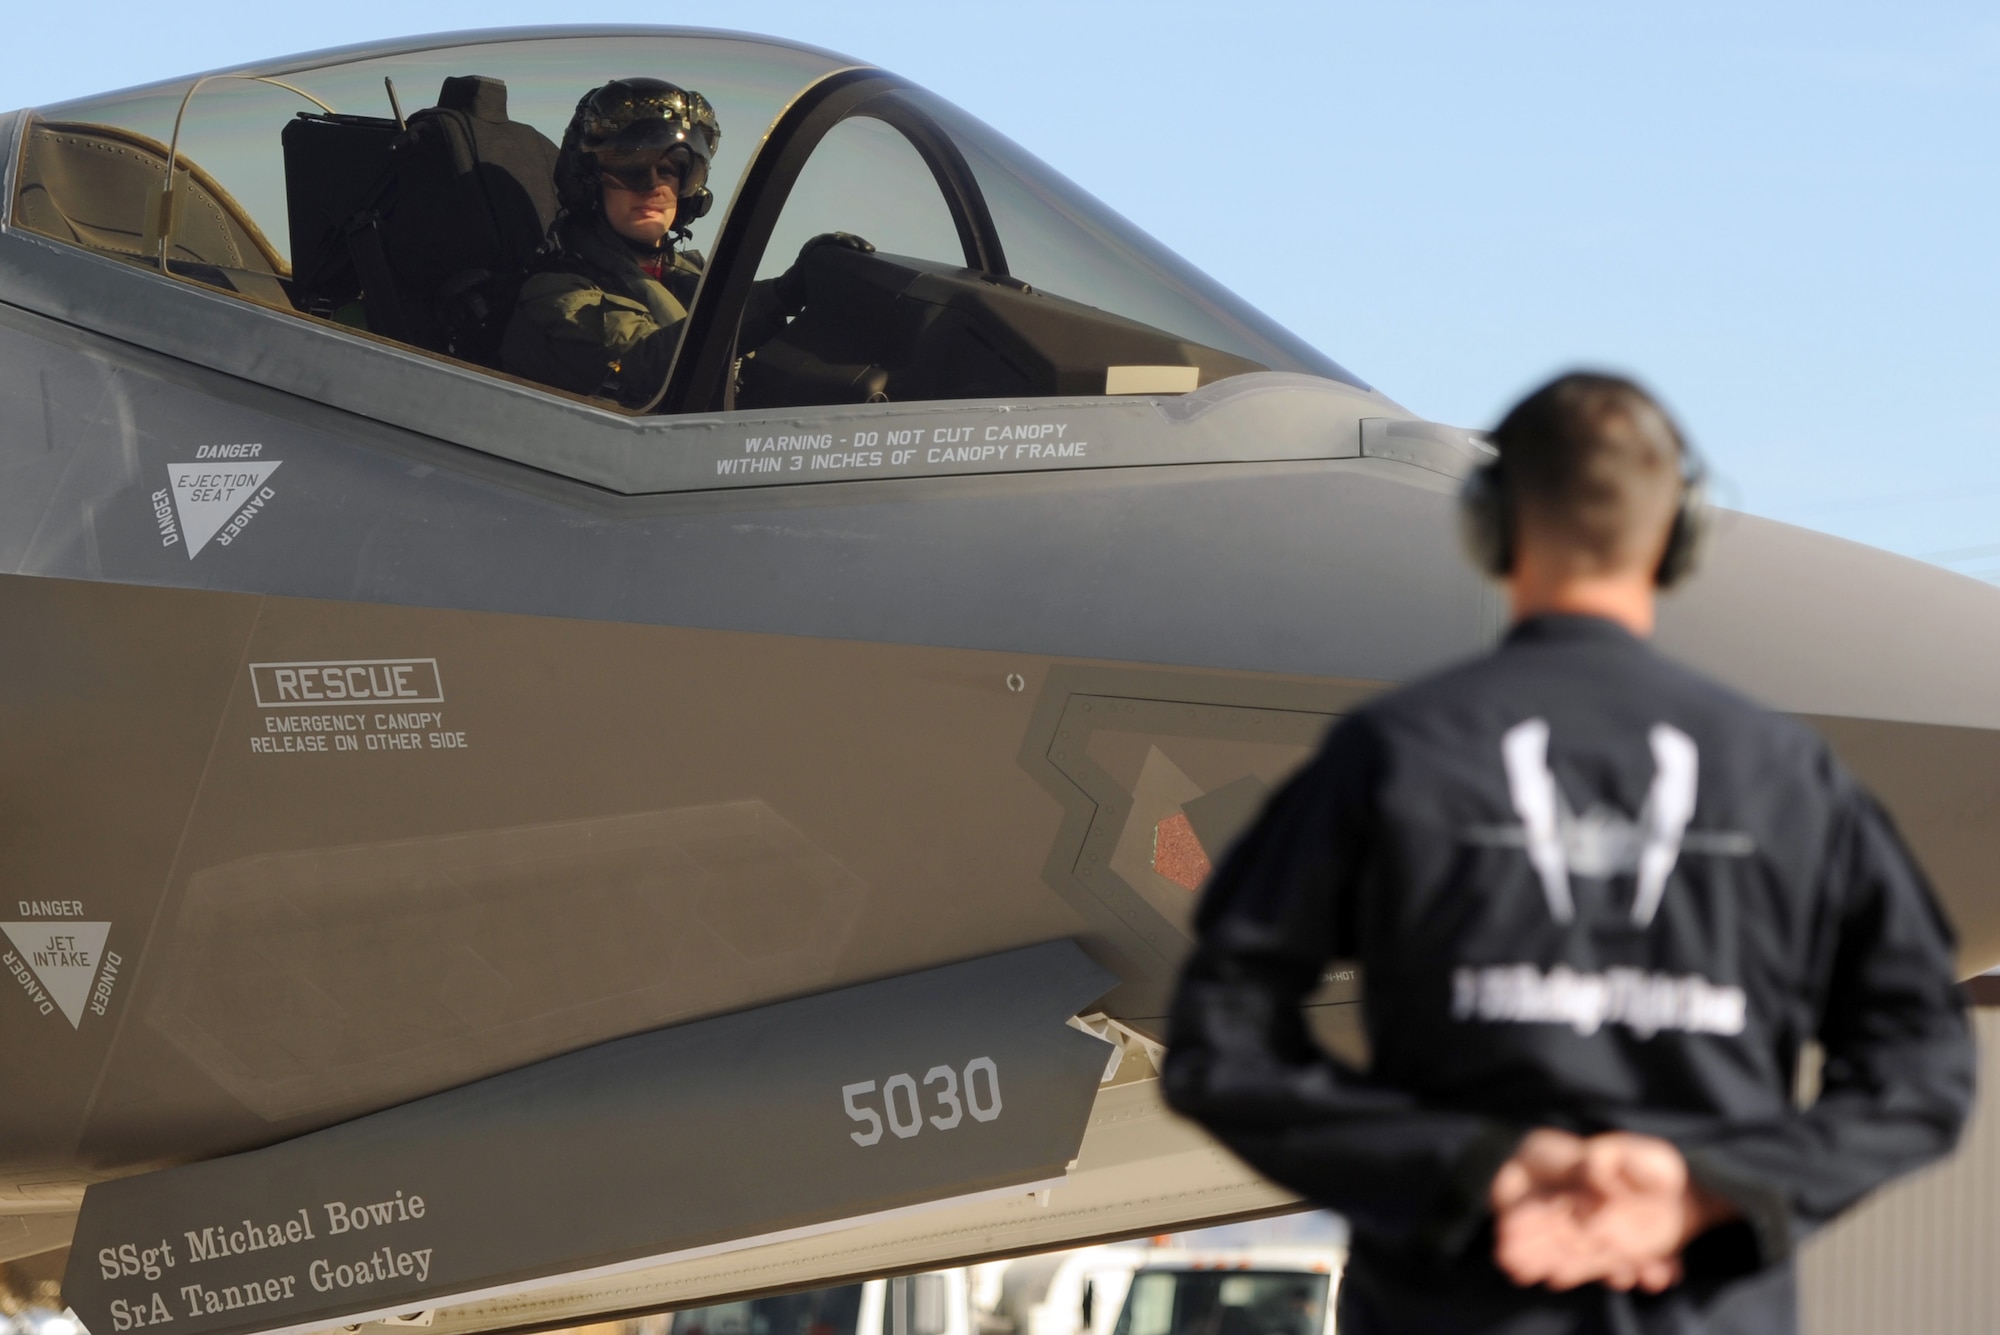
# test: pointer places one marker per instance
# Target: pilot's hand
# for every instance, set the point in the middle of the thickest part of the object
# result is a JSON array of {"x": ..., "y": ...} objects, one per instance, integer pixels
[{"x": 791, "y": 285}]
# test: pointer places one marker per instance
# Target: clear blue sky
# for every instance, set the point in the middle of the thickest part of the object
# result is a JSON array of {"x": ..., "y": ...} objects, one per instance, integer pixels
[{"x": 1784, "y": 216}]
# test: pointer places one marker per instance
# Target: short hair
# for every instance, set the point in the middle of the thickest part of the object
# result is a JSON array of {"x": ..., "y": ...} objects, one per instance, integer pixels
[{"x": 1595, "y": 461}]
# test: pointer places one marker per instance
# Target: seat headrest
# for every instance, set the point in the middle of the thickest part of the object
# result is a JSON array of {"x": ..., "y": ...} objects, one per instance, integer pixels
[{"x": 476, "y": 95}]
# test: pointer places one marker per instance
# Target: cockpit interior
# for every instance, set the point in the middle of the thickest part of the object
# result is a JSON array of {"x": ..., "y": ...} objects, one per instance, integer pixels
[{"x": 991, "y": 275}]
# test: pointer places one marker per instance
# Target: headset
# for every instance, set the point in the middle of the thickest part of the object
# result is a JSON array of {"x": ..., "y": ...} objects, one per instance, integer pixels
[{"x": 1486, "y": 520}]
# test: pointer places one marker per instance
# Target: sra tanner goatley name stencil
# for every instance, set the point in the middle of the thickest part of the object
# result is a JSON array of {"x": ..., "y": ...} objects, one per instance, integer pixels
[{"x": 936, "y": 1085}]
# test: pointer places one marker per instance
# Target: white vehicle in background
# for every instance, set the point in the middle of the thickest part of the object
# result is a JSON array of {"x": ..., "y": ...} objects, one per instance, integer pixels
[
  {"x": 936, "y": 1303},
  {"x": 1077, "y": 1292},
  {"x": 1255, "y": 1291}
]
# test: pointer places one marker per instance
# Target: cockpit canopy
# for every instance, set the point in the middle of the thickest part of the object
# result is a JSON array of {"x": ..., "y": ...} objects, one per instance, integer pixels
[{"x": 991, "y": 276}]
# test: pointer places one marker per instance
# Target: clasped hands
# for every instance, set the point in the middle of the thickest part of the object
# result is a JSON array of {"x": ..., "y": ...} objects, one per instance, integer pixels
[{"x": 1615, "y": 1209}]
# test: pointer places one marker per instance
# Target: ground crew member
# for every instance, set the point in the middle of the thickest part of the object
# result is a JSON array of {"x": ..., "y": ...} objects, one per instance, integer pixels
[
  {"x": 1601, "y": 904},
  {"x": 602, "y": 311}
]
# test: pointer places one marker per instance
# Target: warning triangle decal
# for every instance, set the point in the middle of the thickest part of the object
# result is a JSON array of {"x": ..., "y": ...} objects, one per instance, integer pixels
[
  {"x": 207, "y": 496},
  {"x": 64, "y": 955}
]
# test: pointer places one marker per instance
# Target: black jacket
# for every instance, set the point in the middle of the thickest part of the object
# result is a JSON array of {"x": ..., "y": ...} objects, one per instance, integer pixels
[{"x": 1588, "y": 889}]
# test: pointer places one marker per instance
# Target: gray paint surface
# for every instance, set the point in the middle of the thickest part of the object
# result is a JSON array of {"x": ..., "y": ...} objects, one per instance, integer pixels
[
  {"x": 682, "y": 1138},
  {"x": 1342, "y": 565},
  {"x": 1104, "y": 562}
]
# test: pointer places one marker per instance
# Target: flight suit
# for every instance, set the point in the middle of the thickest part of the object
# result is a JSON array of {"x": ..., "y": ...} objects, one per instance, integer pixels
[
  {"x": 1588, "y": 889},
  {"x": 590, "y": 320}
]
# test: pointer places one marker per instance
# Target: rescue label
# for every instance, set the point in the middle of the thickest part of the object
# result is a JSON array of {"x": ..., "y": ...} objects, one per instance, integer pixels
[
  {"x": 355, "y": 705},
  {"x": 387, "y": 681}
]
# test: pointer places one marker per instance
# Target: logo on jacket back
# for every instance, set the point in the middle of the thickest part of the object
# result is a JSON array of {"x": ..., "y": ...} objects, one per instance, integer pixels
[
  {"x": 1596, "y": 844},
  {"x": 1602, "y": 842}
]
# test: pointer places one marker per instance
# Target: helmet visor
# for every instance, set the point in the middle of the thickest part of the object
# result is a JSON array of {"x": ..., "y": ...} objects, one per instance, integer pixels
[{"x": 647, "y": 169}]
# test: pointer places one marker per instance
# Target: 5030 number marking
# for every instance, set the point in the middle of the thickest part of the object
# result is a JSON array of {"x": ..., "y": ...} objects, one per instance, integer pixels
[{"x": 903, "y": 1105}]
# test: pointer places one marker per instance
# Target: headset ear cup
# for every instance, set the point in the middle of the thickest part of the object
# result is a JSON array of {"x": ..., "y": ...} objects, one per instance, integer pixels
[
  {"x": 1687, "y": 537},
  {"x": 1483, "y": 522},
  {"x": 694, "y": 207}
]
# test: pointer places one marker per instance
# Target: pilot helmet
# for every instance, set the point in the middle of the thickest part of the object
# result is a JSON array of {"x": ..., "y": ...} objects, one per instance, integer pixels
[{"x": 630, "y": 128}]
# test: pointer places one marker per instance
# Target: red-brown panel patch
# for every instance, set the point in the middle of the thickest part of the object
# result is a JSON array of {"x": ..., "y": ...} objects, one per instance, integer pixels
[{"x": 1177, "y": 854}]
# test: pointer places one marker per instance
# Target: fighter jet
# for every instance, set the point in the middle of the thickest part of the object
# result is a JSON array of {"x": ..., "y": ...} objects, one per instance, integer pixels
[{"x": 474, "y": 850}]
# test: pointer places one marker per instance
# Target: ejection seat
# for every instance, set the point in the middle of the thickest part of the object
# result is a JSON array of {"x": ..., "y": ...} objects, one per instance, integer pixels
[{"x": 420, "y": 232}]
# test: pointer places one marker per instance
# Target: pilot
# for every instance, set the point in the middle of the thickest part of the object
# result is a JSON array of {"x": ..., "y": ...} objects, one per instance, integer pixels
[
  {"x": 602, "y": 309},
  {"x": 1601, "y": 904}
]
